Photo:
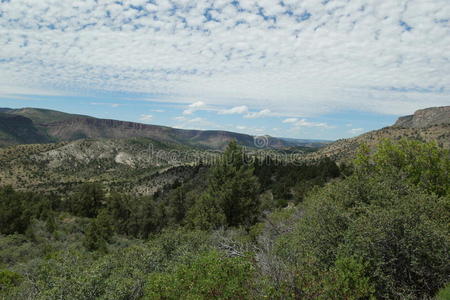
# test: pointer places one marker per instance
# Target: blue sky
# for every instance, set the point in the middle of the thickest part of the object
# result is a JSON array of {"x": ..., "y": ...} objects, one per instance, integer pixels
[{"x": 303, "y": 68}]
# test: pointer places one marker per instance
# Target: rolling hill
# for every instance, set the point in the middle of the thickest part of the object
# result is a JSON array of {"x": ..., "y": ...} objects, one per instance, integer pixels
[
  {"x": 46, "y": 150},
  {"x": 44, "y": 126},
  {"x": 70, "y": 149},
  {"x": 16, "y": 129}
]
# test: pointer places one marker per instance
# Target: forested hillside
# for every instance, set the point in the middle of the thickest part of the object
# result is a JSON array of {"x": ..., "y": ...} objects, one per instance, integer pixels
[{"x": 241, "y": 229}]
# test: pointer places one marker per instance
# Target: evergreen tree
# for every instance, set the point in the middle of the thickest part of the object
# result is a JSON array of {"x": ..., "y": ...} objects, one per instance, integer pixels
[
  {"x": 99, "y": 233},
  {"x": 206, "y": 213},
  {"x": 15, "y": 211},
  {"x": 232, "y": 192},
  {"x": 88, "y": 200}
]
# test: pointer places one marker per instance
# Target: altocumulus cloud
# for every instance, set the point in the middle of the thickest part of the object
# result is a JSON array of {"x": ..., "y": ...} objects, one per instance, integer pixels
[{"x": 292, "y": 57}]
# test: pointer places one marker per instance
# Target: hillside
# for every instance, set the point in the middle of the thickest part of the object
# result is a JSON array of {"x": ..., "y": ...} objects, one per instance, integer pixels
[
  {"x": 141, "y": 159},
  {"x": 63, "y": 127},
  {"x": 43, "y": 116},
  {"x": 432, "y": 124},
  {"x": 425, "y": 118},
  {"x": 47, "y": 150},
  {"x": 15, "y": 129},
  {"x": 136, "y": 165}
]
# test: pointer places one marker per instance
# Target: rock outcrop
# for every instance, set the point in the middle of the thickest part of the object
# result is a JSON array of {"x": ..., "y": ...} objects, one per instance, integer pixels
[
  {"x": 431, "y": 124},
  {"x": 425, "y": 117}
]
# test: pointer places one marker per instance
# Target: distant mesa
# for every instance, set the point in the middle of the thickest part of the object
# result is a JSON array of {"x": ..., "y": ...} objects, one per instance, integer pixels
[{"x": 45, "y": 126}]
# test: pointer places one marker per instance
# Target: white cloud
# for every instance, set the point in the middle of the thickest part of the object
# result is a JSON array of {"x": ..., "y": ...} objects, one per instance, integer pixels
[
  {"x": 24, "y": 92},
  {"x": 145, "y": 118},
  {"x": 317, "y": 58},
  {"x": 259, "y": 114},
  {"x": 197, "y": 104},
  {"x": 304, "y": 123},
  {"x": 356, "y": 131},
  {"x": 298, "y": 123},
  {"x": 188, "y": 111},
  {"x": 113, "y": 105},
  {"x": 239, "y": 110},
  {"x": 196, "y": 120},
  {"x": 194, "y": 107},
  {"x": 158, "y": 110},
  {"x": 290, "y": 120}
]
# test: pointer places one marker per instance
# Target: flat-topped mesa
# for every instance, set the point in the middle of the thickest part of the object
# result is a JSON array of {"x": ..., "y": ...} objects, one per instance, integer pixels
[
  {"x": 55, "y": 126},
  {"x": 425, "y": 118}
]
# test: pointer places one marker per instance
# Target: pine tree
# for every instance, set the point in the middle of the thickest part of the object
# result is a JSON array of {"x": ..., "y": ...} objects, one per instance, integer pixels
[
  {"x": 232, "y": 195},
  {"x": 99, "y": 233},
  {"x": 88, "y": 200}
]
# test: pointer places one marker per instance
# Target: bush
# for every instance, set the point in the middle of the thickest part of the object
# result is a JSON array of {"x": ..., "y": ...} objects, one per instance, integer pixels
[
  {"x": 88, "y": 200},
  {"x": 444, "y": 294},
  {"x": 232, "y": 195},
  {"x": 99, "y": 233},
  {"x": 348, "y": 279},
  {"x": 15, "y": 211},
  {"x": 422, "y": 164},
  {"x": 395, "y": 224},
  {"x": 8, "y": 280},
  {"x": 210, "y": 276}
]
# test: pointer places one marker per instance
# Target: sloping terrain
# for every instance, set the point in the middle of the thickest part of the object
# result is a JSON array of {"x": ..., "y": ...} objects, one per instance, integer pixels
[
  {"x": 139, "y": 166},
  {"x": 16, "y": 129},
  {"x": 41, "y": 116},
  {"x": 62, "y": 127},
  {"x": 102, "y": 150},
  {"x": 432, "y": 124},
  {"x": 425, "y": 118},
  {"x": 86, "y": 127}
]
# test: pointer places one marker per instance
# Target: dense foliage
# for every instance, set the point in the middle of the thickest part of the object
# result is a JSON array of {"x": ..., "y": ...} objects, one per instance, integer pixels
[{"x": 242, "y": 229}]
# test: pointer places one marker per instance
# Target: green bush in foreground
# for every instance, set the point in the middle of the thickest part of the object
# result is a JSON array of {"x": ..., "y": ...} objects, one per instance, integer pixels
[
  {"x": 210, "y": 276},
  {"x": 348, "y": 279},
  {"x": 394, "y": 223},
  {"x": 8, "y": 279},
  {"x": 444, "y": 294}
]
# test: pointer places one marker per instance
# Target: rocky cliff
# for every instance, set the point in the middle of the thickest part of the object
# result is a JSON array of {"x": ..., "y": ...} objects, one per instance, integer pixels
[
  {"x": 431, "y": 124},
  {"x": 425, "y": 117}
]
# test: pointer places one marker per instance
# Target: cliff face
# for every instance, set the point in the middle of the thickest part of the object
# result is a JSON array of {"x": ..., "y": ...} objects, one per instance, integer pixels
[
  {"x": 60, "y": 127},
  {"x": 85, "y": 127},
  {"x": 431, "y": 124},
  {"x": 425, "y": 117},
  {"x": 79, "y": 128}
]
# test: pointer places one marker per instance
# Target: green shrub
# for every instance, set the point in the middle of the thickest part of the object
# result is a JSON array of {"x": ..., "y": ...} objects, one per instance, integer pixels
[
  {"x": 210, "y": 276},
  {"x": 444, "y": 294},
  {"x": 8, "y": 279},
  {"x": 423, "y": 164},
  {"x": 88, "y": 200},
  {"x": 15, "y": 211},
  {"x": 396, "y": 224},
  {"x": 348, "y": 279},
  {"x": 232, "y": 195}
]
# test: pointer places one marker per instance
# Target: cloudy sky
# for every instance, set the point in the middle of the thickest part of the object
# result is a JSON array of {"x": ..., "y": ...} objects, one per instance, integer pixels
[{"x": 296, "y": 68}]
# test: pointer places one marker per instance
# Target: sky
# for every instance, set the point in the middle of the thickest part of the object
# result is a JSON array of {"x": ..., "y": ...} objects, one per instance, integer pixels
[{"x": 325, "y": 69}]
